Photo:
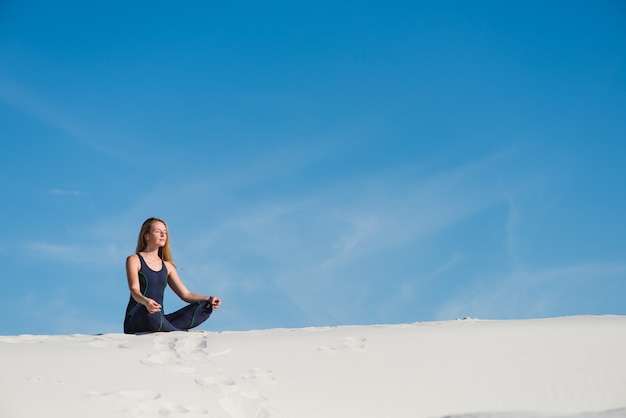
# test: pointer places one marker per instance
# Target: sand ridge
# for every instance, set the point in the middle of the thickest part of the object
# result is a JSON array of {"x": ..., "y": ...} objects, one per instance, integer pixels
[{"x": 571, "y": 366}]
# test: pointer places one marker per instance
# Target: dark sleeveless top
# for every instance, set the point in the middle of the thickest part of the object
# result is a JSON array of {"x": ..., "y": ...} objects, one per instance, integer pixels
[{"x": 151, "y": 284}]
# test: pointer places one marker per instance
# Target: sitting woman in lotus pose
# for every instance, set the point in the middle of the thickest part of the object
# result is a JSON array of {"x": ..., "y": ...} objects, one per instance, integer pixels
[{"x": 148, "y": 271}]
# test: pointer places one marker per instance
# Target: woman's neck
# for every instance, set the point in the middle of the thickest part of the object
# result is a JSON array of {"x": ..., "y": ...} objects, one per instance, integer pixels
[{"x": 151, "y": 253}]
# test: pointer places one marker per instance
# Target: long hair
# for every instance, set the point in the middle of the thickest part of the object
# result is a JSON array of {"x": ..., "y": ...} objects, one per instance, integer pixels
[{"x": 164, "y": 252}]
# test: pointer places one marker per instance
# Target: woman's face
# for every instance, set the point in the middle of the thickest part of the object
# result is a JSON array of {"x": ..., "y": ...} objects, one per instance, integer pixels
[{"x": 157, "y": 234}]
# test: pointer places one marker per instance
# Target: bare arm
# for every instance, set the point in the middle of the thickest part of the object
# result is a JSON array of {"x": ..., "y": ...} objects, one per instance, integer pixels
[
  {"x": 181, "y": 290},
  {"x": 132, "y": 274}
]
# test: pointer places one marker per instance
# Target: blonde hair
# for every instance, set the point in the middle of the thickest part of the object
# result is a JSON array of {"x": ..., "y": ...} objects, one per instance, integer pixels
[{"x": 164, "y": 252}]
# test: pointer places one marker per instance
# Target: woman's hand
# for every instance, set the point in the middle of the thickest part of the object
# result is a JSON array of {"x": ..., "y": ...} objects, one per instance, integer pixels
[
  {"x": 152, "y": 306},
  {"x": 214, "y": 301}
]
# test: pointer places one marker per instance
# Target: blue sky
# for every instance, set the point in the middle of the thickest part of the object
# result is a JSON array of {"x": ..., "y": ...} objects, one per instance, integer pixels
[{"x": 318, "y": 163}]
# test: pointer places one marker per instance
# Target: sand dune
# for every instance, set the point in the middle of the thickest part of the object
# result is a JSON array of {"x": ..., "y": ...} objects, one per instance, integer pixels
[{"x": 572, "y": 366}]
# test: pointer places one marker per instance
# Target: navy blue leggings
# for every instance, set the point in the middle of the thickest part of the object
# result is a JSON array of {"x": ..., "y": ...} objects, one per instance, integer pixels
[{"x": 192, "y": 315}]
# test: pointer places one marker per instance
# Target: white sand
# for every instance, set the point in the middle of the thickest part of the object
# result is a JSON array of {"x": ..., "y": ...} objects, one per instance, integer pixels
[{"x": 573, "y": 366}]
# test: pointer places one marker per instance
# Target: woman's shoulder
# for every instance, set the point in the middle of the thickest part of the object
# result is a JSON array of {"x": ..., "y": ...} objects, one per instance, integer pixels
[
  {"x": 133, "y": 258},
  {"x": 170, "y": 266}
]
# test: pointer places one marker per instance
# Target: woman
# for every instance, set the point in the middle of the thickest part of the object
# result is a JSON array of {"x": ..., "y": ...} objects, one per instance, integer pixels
[{"x": 148, "y": 272}]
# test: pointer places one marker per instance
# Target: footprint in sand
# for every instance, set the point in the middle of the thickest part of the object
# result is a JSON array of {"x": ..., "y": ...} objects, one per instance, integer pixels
[
  {"x": 165, "y": 343},
  {"x": 180, "y": 351},
  {"x": 240, "y": 401},
  {"x": 260, "y": 374},
  {"x": 169, "y": 362},
  {"x": 168, "y": 409},
  {"x": 108, "y": 342},
  {"x": 192, "y": 344},
  {"x": 169, "y": 355},
  {"x": 127, "y": 395},
  {"x": 148, "y": 404},
  {"x": 355, "y": 342},
  {"x": 215, "y": 383},
  {"x": 350, "y": 343}
]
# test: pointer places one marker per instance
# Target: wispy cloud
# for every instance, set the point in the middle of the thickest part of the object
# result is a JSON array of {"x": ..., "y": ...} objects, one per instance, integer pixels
[{"x": 311, "y": 247}]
